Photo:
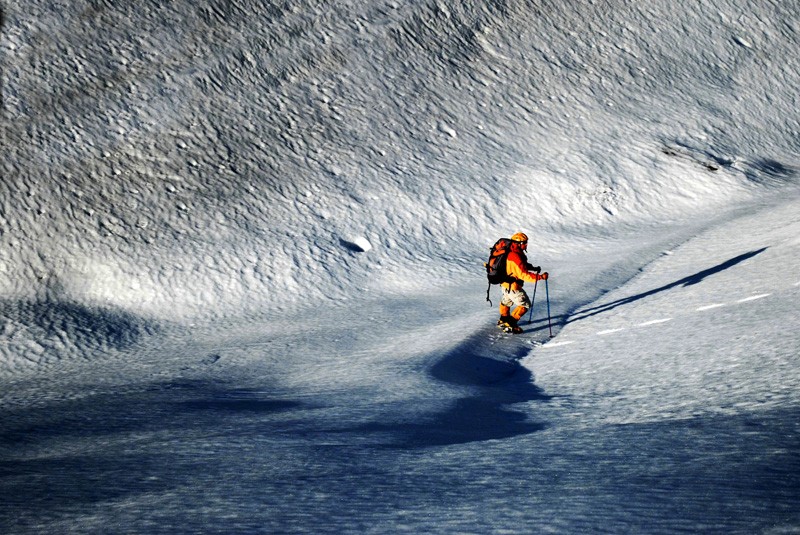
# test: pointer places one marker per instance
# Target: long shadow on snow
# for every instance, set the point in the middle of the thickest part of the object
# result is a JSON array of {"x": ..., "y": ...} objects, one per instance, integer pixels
[
  {"x": 56, "y": 322},
  {"x": 686, "y": 281},
  {"x": 492, "y": 368},
  {"x": 578, "y": 314},
  {"x": 150, "y": 408},
  {"x": 87, "y": 450}
]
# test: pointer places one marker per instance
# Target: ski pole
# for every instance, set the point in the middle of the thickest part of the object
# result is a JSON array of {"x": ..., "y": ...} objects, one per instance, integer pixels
[
  {"x": 547, "y": 291},
  {"x": 530, "y": 317}
]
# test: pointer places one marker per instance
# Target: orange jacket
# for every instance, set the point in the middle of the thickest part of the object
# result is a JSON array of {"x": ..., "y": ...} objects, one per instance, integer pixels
[{"x": 517, "y": 266}]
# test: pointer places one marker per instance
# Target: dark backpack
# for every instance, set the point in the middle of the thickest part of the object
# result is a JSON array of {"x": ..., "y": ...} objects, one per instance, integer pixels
[{"x": 496, "y": 266}]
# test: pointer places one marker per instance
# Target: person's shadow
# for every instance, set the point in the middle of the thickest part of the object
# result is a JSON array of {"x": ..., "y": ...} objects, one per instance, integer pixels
[
  {"x": 686, "y": 281},
  {"x": 491, "y": 368}
]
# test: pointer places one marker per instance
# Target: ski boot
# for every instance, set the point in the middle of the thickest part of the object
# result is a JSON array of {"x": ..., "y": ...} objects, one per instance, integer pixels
[
  {"x": 509, "y": 325},
  {"x": 503, "y": 320}
]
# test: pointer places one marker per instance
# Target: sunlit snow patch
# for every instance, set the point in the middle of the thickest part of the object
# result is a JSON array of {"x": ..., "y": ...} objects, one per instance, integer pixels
[
  {"x": 742, "y": 41},
  {"x": 357, "y": 245},
  {"x": 752, "y": 298},
  {"x": 654, "y": 322},
  {"x": 609, "y": 331},
  {"x": 558, "y": 344},
  {"x": 709, "y": 307}
]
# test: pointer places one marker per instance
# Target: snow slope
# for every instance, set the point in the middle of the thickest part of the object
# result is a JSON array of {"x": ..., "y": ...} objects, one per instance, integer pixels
[
  {"x": 168, "y": 156},
  {"x": 241, "y": 284},
  {"x": 719, "y": 315}
]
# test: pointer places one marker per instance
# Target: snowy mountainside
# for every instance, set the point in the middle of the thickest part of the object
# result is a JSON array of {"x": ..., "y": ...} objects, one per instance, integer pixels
[
  {"x": 179, "y": 161},
  {"x": 241, "y": 284}
]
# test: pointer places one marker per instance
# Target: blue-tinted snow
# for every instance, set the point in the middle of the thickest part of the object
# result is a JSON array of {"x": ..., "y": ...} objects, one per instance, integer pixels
[{"x": 241, "y": 285}]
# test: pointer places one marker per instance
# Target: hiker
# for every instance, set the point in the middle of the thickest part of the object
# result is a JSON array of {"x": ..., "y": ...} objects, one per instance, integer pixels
[{"x": 518, "y": 271}]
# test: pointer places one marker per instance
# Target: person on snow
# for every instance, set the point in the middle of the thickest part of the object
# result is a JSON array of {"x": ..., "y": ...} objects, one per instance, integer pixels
[{"x": 520, "y": 271}]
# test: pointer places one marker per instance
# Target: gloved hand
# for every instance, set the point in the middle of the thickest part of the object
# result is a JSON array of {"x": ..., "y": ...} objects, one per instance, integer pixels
[
  {"x": 543, "y": 276},
  {"x": 535, "y": 269}
]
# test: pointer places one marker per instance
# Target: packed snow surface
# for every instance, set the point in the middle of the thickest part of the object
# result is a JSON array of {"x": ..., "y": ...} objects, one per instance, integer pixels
[{"x": 241, "y": 282}]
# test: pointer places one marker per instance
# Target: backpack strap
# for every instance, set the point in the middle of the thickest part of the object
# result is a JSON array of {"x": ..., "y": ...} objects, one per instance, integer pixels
[{"x": 488, "y": 289}]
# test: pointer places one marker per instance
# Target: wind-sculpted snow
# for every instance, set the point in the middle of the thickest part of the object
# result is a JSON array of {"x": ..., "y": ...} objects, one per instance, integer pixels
[
  {"x": 241, "y": 283},
  {"x": 45, "y": 332},
  {"x": 212, "y": 159}
]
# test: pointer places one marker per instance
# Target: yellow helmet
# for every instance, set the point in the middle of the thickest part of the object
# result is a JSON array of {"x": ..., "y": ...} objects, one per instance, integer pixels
[{"x": 520, "y": 237}]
